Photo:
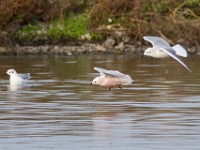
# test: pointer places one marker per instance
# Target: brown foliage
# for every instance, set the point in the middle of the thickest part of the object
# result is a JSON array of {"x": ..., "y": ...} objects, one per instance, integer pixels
[
  {"x": 16, "y": 10},
  {"x": 5, "y": 40},
  {"x": 102, "y": 10},
  {"x": 174, "y": 19}
]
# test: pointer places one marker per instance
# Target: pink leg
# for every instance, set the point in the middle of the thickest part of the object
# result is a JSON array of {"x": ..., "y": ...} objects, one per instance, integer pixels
[
  {"x": 110, "y": 88},
  {"x": 119, "y": 86}
]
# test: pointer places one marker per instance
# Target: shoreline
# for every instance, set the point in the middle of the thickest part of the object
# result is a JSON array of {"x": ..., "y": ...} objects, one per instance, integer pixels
[
  {"x": 118, "y": 29},
  {"x": 88, "y": 48}
]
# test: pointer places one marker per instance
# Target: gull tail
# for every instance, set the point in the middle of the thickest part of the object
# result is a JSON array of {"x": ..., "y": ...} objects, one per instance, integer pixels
[{"x": 180, "y": 50}]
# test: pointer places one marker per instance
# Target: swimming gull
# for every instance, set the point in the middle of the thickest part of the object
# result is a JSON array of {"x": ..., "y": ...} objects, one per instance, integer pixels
[{"x": 16, "y": 78}]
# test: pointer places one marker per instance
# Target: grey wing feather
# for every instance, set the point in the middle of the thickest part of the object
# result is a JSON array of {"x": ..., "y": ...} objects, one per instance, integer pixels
[
  {"x": 25, "y": 76},
  {"x": 173, "y": 55},
  {"x": 113, "y": 73},
  {"x": 156, "y": 41},
  {"x": 100, "y": 70}
]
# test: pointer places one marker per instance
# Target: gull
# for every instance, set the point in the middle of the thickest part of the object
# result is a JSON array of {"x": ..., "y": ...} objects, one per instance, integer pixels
[
  {"x": 16, "y": 78},
  {"x": 111, "y": 78},
  {"x": 161, "y": 49}
]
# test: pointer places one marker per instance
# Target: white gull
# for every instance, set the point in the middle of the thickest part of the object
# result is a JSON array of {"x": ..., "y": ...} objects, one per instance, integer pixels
[
  {"x": 161, "y": 49},
  {"x": 111, "y": 78},
  {"x": 16, "y": 78}
]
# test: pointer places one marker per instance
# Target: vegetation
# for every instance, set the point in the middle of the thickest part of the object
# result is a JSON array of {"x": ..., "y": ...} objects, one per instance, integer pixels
[
  {"x": 172, "y": 19},
  {"x": 58, "y": 21},
  {"x": 72, "y": 27}
]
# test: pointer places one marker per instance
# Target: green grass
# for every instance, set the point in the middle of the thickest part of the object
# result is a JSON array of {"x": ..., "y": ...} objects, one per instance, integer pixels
[
  {"x": 27, "y": 32},
  {"x": 71, "y": 27}
]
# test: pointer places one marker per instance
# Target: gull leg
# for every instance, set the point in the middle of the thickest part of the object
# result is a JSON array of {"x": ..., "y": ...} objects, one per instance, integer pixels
[
  {"x": 119, "y": 87},
  {"x": 110, "y": 88}
]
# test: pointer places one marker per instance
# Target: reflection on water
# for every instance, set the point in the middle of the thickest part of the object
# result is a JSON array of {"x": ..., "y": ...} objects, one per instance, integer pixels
[{"x": 58, "y": 108}]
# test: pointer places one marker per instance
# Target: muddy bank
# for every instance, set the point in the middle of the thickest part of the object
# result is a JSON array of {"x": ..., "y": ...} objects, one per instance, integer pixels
[
  {"x": 70, "y": 50},
  {"x": 119, "y": 28},
  {"x": 78, "y": 50}
]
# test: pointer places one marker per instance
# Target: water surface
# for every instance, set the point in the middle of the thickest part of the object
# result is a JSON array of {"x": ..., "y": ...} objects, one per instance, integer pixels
[{"x": 58, "y": 109}]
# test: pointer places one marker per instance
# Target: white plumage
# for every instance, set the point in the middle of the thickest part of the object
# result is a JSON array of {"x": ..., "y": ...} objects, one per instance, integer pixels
[
  {"x": 16, "y": 78},
  {"x": 111, "y": 78},
  {"x": 161, "y": 49}
]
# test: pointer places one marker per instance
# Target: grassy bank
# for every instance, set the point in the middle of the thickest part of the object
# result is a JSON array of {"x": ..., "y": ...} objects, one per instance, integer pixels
[
  {"x": 67, "y": 21},
  {"x": 60, "y": 30}
]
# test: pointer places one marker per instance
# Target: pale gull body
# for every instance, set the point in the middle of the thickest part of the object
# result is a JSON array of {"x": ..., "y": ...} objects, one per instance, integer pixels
[
  {"x": 16, "y": 78},
  {"x": 111, "y": 78},
  {"x": 161, "y": 49}
]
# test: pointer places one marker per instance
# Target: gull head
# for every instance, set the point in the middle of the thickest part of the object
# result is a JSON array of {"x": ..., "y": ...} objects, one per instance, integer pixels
[
  {"x": 97, "y": 81},
  {"x": 11, "y": 72},
  {"x": 149, "y": 52}
]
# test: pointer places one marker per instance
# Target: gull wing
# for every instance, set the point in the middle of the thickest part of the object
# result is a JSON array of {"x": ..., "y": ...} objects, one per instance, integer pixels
[
  {"x": 100, "y": 70},
  {"x": 112, "y": 73},
  {"x": 171, "y": 53},
  {"x": 115, "y": 74},
  {"x": 180, "y": 50},
  {"x": 25, "y": 76},
  {"x": 126, "y": 79},
  {"x": 156, "y": 41}
]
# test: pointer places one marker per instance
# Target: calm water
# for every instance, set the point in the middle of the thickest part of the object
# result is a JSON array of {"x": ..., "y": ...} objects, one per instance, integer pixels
[{"x": 59, "y": 109}]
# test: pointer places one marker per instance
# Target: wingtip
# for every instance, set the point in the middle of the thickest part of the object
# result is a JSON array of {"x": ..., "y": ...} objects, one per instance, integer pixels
[
  {"x": 144, "y": 37},
  {"x": 96, "y": 68},
  {"x": 147, "y": 36},
  {"x": 189, "y": 70}
]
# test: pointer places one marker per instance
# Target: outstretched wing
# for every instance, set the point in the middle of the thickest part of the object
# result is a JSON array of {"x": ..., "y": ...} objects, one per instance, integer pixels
[
  {"x": 25, "y": 76},
  {"x": 173, "y": 55},
  {"x": 113, "y": 73},
  {"x": 100, "y": 70},
  {"x": 156, "y": 41},
  {"x": 125, "y": 79}
]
